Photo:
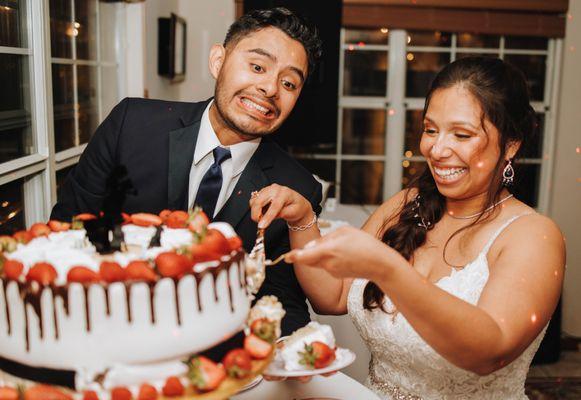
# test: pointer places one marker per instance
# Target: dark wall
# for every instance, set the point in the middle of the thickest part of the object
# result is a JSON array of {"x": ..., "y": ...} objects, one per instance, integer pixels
[{"x": 314, "y": 118}]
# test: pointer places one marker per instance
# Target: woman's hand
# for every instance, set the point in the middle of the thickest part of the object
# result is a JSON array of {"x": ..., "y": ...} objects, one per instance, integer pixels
[{"x": 282, "y": 202}]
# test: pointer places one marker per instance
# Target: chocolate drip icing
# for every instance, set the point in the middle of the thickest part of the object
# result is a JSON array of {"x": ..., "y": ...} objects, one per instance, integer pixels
[
  {"x": 8, "y": 322},
  {"x": 31, "y": 296},
  {"x": 54, "y": 313},
  {"x": 128, "y": 299},
  {"x": 198, "y": 278},
  {"x": 152, "y": 301},
  {"x": 215, "y": 273},
  {"x": 63, "y": 293},
  {"x": 228, "y": 285},
  {"x": 177, "y": 300},
  {"x": 107, "y": 301},
  {"x": 87, "y": 308}
]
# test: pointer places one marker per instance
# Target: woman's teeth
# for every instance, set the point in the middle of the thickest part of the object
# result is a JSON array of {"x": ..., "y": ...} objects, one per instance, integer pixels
[
  {"x": 255, "y": 106},
  {"x": 449, "y": 173}
]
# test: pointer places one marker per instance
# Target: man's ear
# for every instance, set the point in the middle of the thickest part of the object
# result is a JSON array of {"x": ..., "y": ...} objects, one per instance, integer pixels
[
  {"x": 511, "y": 149},
  {"x": 216, "y": 60}
]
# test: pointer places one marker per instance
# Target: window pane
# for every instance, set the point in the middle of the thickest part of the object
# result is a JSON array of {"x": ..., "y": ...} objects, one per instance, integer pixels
[
  {"x": 365, "y": 73},
  {"x": 413, "y": 132},
  {"x": 12, "y": 207},
  {"x": 367, "y": 36},
  {"x": 86, "y": 29},
  {"x": 411, "y": 170},
  {"x": 13, "y": 23},
  {"x": 88, "y": 102},
  {"x": 473, "y": 40},
  {"x": 15, "y": 124},
  {"x": 109, "y": 96},
  {"x": 462, "y": 55},
  {"x": 361, "y": 182},
  {"x": 526, "y": 42},
  {"x": 61, "y": 28},
  {"x": 364, "y": 131},
  {"x": 534, "y": 68},
  {"x": 108, "y": 30},
  {"x": 63, "y": 106},
  {"x": 324, "y": 169},
  {"x": 526, "y": 180},
  {"x": 432, "y": 39},
  {"x": 421, "y": 70},
  {"x": 61, "y": 176},
  {"x": 534, "y": 147}
]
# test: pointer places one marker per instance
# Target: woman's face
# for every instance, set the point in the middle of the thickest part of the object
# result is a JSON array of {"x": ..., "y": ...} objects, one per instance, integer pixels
[{"x": 460, "y": 152}]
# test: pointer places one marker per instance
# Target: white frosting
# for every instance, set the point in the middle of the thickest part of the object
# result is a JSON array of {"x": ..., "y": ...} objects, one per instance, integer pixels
[{"x": 295, "y": 344}]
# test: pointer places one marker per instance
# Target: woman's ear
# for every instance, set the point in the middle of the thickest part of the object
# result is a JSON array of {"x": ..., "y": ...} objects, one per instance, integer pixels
[
  {"x": 511, "y": 149},
  {"x": 216, "y": 59}
]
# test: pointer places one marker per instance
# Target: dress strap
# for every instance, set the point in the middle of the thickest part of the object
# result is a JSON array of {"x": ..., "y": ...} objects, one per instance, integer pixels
[{"x": 499, "y": 231}]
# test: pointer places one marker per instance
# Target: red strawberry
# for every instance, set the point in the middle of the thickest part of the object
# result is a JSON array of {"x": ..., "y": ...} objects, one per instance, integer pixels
[
  {"x": 205, "y": 374},
  {"x": 171, "y": 264},
  {"x": 238, "y": 363},
  {"x": 317, "y": 355},
  {"x": 146, "y": 219},
  {"x": 200, "y": 253},
  {"x": 256, "y": 347},
  {"x": 177, "y": 219},
  {"x": 45, "y": 392},
  {"x": 110, "y": 271},
  {"x": 13, "y": 269},
  {"x": 235, "y": 243},
  {"x": 147, "y": 392},
  {"x": 7, "y": 243},
  {"x": 121, "y": 393},
  {"x": 126, "y": 218},
  {"x": 42, "y": 272},
  {"x": 39, "y": 229},
  {"x": 90, "y": 395},
  {"x": 173, "y": 387},
  {"x": 84, "y": 217},
  {"x": 141, "y": 271},
  {"x": 216, "y": 242},
  {"x": 198, "y": 221},
  {"x": 8, "y": 393},
  {"x": 58, "y": 226},
  {"x": 264, "y": 329},
  {"x": 164, "y": 214},
  {"x": 82, "y": 274},
  {"x": 23, "y": 236}
]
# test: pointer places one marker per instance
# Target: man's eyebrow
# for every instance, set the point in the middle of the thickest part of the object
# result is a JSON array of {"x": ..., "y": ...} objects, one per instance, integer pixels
[{"x": 272, "y": 57}]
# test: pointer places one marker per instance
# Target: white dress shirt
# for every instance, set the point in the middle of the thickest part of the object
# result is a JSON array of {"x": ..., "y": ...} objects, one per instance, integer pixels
[{"x": 203, "y": 158}]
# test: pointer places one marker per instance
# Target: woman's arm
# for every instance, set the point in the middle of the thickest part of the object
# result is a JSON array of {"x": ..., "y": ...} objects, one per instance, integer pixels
[{"x": 518, "y": 300}]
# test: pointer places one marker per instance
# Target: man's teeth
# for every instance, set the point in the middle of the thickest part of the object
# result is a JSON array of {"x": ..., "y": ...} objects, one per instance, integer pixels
[
  {"x": 255, "y": 106},
  {"x": 448, "y": 173}
]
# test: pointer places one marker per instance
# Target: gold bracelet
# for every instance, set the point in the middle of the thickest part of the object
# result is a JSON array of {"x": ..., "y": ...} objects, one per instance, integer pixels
[{"x": 303, "y": 227}]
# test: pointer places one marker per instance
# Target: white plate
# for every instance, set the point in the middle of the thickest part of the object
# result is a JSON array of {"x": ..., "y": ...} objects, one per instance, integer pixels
[{"x": 344, "y": 357}]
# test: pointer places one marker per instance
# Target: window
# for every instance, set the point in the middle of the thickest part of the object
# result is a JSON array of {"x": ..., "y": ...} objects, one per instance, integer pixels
[
  {"x": 384, "y": 77},
  {"x": 42, "y": 133}
]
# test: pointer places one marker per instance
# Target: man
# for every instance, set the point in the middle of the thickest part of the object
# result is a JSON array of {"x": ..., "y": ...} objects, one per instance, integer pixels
[{"x": 169, "y": 149}]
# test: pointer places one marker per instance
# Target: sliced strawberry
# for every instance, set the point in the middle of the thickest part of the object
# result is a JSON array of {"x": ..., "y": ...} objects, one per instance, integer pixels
[
  {"x": 164, "y": 214},
  {"x": 264, "y": 329},
  {"x": 256, "y": 347},
  {"x": 238, "y": 363},
  {"x": 235, "y": 243},
  {"x": 147, "y": 392},
  {"x": 216, "y": 242},
  {"x": 42, "y": 272},
  {"x": 110, "y": 271},
  {"x": 90, "y": 395},
  {"x": 177, "y": 219},
  {"x": 8, "y": 393},
  {"x": 126, "y": 218},
  {"x": 39, "y": 229},
  {"x": 200, "y": 253},
  {"x": 173, "y": 387},
  {"x": 146, "y": 219},
  {"x": 13, "y": 269},
  {"x": 140, "y": 271},
  {"x": 23, "y": 236},
  {"x": 205, "y": 374},
  {"x": 317, "y": 355},
  {"x": 84, "y": 217},
  {"x": 45, "y": 392},
  {"x": 121, "y": 393},
  {"x": 198, "y": 221},
  {"x": 7, "y": 244},
  {"x": 82, "y": 274},
  {"x": 172, "y": 265},
  {"x": 58, "y": 226}
]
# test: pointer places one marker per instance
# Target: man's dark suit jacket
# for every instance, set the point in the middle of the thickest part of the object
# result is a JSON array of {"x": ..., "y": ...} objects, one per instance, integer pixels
[{"x": 155, "y": 141}]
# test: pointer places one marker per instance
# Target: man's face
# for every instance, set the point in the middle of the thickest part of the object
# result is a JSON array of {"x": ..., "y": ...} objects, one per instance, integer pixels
[{"x": 259, "y": 80}]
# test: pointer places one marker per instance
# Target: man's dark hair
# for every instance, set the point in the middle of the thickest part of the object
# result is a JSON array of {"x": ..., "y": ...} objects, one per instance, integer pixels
[{"x": 281, "y": 18}]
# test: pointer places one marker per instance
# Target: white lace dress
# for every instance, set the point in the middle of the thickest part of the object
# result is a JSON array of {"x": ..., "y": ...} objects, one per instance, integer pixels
[{"x": 404, "y": 367}]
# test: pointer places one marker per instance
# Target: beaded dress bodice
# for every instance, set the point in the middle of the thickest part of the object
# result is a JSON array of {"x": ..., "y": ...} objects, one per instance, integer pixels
[{"x": 403, "y": 366}]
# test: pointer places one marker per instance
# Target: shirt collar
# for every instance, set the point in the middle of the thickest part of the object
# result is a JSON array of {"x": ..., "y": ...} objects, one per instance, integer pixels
[{"x": 208, "y": 141}]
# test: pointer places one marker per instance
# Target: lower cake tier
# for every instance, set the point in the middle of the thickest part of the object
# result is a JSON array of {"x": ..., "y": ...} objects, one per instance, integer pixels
[{"x": 89, "y": 328}]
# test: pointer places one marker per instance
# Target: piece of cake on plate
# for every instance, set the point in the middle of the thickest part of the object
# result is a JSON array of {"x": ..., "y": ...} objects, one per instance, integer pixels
[{"x": 312, "y": 346}]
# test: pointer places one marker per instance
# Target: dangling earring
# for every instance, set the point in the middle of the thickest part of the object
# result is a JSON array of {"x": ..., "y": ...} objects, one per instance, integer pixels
[{"x": 508, "y": 174}]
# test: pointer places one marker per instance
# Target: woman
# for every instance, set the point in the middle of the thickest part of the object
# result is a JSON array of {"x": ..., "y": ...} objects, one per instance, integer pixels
[{"x": 451, "y": 282}]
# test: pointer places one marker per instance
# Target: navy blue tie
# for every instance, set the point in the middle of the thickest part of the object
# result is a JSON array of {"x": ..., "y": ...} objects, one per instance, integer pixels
[{"x": 211, "y": 183}]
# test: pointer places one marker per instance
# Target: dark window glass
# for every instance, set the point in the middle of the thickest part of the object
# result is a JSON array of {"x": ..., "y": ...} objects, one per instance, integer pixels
[
  {"x": 411, "y": 170},
  {"x": 534, "y": 68},
  {"x": 364, "y": 131},
  {"x": 86, "y": 29},
  {"x": 365, "y": 73},
  {"x": 361, "y": 182},
  {"x": 421, "y": 70},
  {"x": 61, "y": 176},
  {"x": 13, "y": 23},
  {"x": 366, "y": 36},
  {"x": 324, "y": 169},
  {"x": 62, "y": 29},
  {"x": 413, "y": 132},
  {"x": 462, "y": 55},
  {"x": 526, "y": 183},
  {"x": 432, "y": 39},
  {"x": 526, "y": 42},
  {"x": 88, "y": 102},
  {"x": 533, "y": 145},
  {"x": 63, "y": 107},
  {"x": 475, "y": 40},
  {"x": 12, "y": 207}
]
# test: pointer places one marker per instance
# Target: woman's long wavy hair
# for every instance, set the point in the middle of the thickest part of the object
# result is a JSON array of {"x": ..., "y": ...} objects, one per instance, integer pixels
[{"x": 502, "y": 93}]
